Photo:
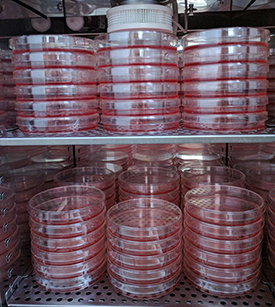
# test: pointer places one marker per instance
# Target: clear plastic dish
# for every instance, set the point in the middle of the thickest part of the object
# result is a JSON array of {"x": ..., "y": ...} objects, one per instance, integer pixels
[
  {"x": 224, "y": 205},
  {"x": 221, "y": 71},
  {"x": 139, "y": 107},
  {"x": 143, "y": 262},
  {"x": 24, "y": 180},
  {"x": 8, "y": 229},
  {"x": 15, "y": 159},
  {"x": 223, "y": 275},
  {"x": 222, "y": 289},
  {"x": 262, "y": 177},
  {"x": 11, "y": 240},
  {"x": 110, "y": 156},
  {"x": 236, "y": 232},
  {"x": 70, "y": 284},
  {"x": 55, "y": 58},
  {"x": 67, "y": 230},
  {"x": 70, "y": 257},
  {"x": 26, "y": 195},
  {"x": 140, "y": 90},
  {"x": 223, "y": 246},
  {"x": 100, "y": 178},
  {"x": 150, "y": 123},
  {"x": 144, "y": 219},
  {"x": 144, "y": 248},
  {"x": 134, "y": 38},
  {"x": 148, "y": 276},
  {"x": 115, "y": 168},
  {"x": 212, "y": 175},
  {"x": 175, "y": 201},
  {"x": 222, "y": 53},
  {"x": 220, "y": 36},
  {"x": 67, "y": 205},
  {"x": 225, "y": 105},
  {"x": 41, "y": 42},
  {"x": 64, "y": 245},
  {"x": 244, "y": 166},
  {"x": 56, "y": 108},
  {"x": 56, "y": 92},
  {"x": 58, "y": 124},
  {"x": 6, "y": 271},
  {"x": 221, "y": 260},
  {"x": 153, "y": 156},
  {"x": 138, "y": 73},
  {"x": 7, "y": 199},
  {"x": 169, "y": 196},
  {"x": 136, "y": 55},
  {"x": 249, "y": 87},
  {"x": 54, "y": 76},
  {"x": 145, "y": 291},
  {"x": 10, "y": 255},
  {"x": 185, "y": 156},
  {"x": 148, "y": 180},
  {"x": 225, "y": 122}
]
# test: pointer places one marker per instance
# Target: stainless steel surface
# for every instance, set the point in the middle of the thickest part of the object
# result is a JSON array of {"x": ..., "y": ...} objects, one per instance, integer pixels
[
  {"x": 30, "y": 294},
  {"x": 99, "y": 137}
]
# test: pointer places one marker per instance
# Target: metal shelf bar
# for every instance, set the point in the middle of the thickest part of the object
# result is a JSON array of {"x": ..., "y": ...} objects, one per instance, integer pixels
[{"x": 100, "y": 137}]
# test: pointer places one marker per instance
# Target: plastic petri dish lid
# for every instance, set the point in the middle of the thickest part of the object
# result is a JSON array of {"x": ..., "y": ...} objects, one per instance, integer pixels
[
  {"x": 224, "y": 205},
  {"x": 138, "y": 90},
  {"x": 212, "y": 175},
  {"x": 142, "y": 124},
  {"x": 199, "y": 154},
  {"x": 222, "y": 289},
  {"x": 70, "y": 284},
  {"x": 143, "y": 262},
  {"x": 58, "y": 124},
  {"x": 69, "y": 257},
  {"x": 148, "y": 180},
  {"x": 244, "y": 166},
  {"x": 6, "y": 199},
  {"x": 68, "y": 230},
  {"x": 223, "y": 246},
  {"x": 65, "y": 245},
  {"x": 7, "y": 214},
  {"x": 235, "y": 232},
  {"x": 110, "y": 156},
  {"x": 222, "y": 53},
  {"x": 262, "y": 177},
  {"x": 56, "y": 92},
  {"x": 6, "y": 271},
  {"x": 145, "y": 291},
  {"x": 221, "y": 260},
  {"x": 147, "y": 276},
  {"x": 67, "y": 204},
  {"x": 225, "y": 122},
  {"x": 144, "y": 219},
  {"x": 221, "y": 71},
  {"x": 36, "y": 42},
  {"x": 138, "y": 73},
  {"x": 220, "y": 36},
  {"x": 249, "y": 87},
  {"x": 52, "y": 108},
  {"x": 139, "y": 107},
  {"x": 54, "y": 76},
  {"x": 153, "y": 155},
  {"x": 225, "y": 105},
  {"x": 115, "y": 168},
  {"x": 10, "y": 255},
  {"x": 100, "y": 178},
  {"x": 223, "y": 275},
  {"x": 8, "y": 229},
  {"x": 15, "y": 159},
  {"x": 136, "y": 55},
  {"x": 11, "y": 240},
  {"x": 133, "y": 38},
  {"x": 54, "y": 58}
]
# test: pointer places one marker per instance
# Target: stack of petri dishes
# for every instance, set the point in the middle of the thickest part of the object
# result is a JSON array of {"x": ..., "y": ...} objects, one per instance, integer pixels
[
  {"x": 222, "y": 239},
  {"x": 138, "y": 81},
  {"x": 153, "y": 182},
  {"x": 180, "y": 77},
  {"x": 167, "y": 147},
  {"x": 224, "y": 76},
  {"x": 25, "y": 184},
  {"x": 15, "y": 159},
  {"x": 271, "y": 227},
  {"x": 68, "y": 237},
  {"x": 55, "y": 80},
  {"x": 8, "y": 88},
  {"x": 109, "y": 156},
  {"x": 10, "y": 248},
  {"x": 98, "y": 177},
  {"x": 144, "y": 244},
  {"x": 271, "y": 84},
  {"x": 195, "y": 177},
  {"x": 153, "y": 157}
]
